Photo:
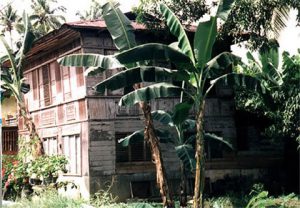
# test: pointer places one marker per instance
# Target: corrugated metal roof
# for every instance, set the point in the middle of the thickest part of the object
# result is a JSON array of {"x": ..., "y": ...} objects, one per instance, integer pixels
[{"x": 99, "y": 24}]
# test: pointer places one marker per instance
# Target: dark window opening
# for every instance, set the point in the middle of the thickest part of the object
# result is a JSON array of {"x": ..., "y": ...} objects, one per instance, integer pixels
[{"x": 136, "y": 152}]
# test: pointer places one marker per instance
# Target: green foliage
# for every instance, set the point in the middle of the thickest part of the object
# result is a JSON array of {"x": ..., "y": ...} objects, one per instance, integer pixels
[
  {"x": 47, "y": 166},
  {"x": 282, "y": 106},
  {"x": 255, "y": 21},
  {"x": 122, "y": 32},
  {"x": 46, "y": 199},
  {"x": 45, "y": 18},
  {"x": 148, "y": 93},
  {"x": 261, "y": 198},
  {"x": 12, "y": 77},
  {"x": 188, "y": 11}
]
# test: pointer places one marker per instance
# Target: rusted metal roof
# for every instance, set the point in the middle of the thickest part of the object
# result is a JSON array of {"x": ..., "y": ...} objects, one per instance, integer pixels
[{"x": 99, "y": 24}]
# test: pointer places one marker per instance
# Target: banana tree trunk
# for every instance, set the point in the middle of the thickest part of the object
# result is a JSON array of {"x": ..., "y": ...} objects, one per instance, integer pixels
[
  {"x": 37, "y": 147},
  {"x": 183, "y": 185},
  {"x": 151, "y": 138},
  {"x": 200, "y": 162}
]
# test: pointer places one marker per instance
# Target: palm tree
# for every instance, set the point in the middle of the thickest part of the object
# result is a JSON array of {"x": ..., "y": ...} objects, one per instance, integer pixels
[
  {"x": 94, "y": 12},
  {"x": 13, "y": 81},
  {"x": 44, "y": 18},
  {"x": 8, "y": 19}
]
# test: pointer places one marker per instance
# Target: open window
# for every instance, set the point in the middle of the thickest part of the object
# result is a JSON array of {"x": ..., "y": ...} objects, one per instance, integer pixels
[{"x": 138, "y": 151}]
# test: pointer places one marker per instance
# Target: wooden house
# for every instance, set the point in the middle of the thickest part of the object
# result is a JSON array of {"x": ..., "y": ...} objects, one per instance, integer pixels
[{"x": 75, "y": 121}]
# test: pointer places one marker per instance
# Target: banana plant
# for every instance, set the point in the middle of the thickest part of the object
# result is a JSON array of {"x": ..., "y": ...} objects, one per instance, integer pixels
[
  {"x": 196, "y": 68},
  {"x": 123, "y": 37},
  {"x": 201, "y": 68},
  {"x": 184, "y": 144},
  {"x": 12, "y": 80}
]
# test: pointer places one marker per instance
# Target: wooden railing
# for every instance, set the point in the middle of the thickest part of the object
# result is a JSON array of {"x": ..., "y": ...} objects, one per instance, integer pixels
[{"x": 10, "y": 140}]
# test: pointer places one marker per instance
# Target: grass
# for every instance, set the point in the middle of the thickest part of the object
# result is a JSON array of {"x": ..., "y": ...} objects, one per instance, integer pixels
[
  {"x": 51, "y": 199},
  {"x": 48, "y": 199}
]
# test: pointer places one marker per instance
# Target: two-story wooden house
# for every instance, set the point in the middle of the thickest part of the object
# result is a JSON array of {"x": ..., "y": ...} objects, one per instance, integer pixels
[{"x": 75, "y": 121}]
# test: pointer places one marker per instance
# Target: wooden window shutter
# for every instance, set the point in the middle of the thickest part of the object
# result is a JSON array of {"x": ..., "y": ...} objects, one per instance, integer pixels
[
  {"x": 35, "y": 85},
  {"x": 82, "y": 109},
  {"x": 66, "y": 81},
  {"x": 53, "y": 82},
  {"x": 60, "y": 114},
  {"x": 57, "y": 77},
  {"x": 46, "y": 84},
  {"x": 72, "y": 150},
  {"x": 79, "y": 76}
]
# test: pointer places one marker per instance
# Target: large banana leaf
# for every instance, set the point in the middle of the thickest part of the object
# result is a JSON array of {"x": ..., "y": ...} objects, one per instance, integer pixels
[
  {"x": 181, "y": 112},
  {"x": 269, "y": 54},
  {"x": 163, "y": 135},
  {"x": 269, "y": 58},
  {"x": 177, "y": 30},
  {"x": 25, "y": 88},
  {"x": 204, "y": 40},
  {"x": 162, "y": 117},
  {"x": 210, "y": 136},
  {"x": 155, "y": 52},
  {"x": 119, "y": 26},
  {"x": 159, "y": 90},
  {"x": 186, "y": 154},
  {"x": 220, "y": 64},
  {"x": 224, "y": 9},
  {"x": 138, "y": 75},
  {"x": 132, "y": 138},
  {"x": 99, "y": 62},
  {"x": 27, "y": 42},
  {"x": 9, "y": 54},
  {"x": 189, "y": 125},
  {"x": 233, "y": 79}
]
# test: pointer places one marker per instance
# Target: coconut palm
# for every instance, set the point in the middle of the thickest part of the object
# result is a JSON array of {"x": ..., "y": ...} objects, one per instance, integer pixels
[
  {"x": 44, "y": 18},
  {"x": 8, "y": 19},
  {"x": 12, "y": 79},
  {"x": 94, "y": 12}
]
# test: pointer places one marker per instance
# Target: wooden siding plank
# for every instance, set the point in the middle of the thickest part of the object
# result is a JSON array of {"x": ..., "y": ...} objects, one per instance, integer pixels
[
  {"x": 82, "y": 109},
  {"x": 79, "y": 76}
]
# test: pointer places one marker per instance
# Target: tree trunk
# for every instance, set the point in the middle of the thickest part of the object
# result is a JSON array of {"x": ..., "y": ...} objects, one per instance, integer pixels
[
  {"x": 183, "y": 184},
  {"x": 200, "y": 162},
  {"x": 37, "y": 147},
  {"x": 152, "y": 139}
]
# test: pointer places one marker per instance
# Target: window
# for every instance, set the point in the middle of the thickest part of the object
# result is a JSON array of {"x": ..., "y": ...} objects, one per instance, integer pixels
[
  {"x": 213, "y": 148},
  {"x": 72, "y": 150},
  {"x": 50, "y": 80},
  {"x": 44, "y": 86},
  {"x": 66, "y": 83},
  {"x": 50, "y": 145},
  {"x": 137, "y": 152}
]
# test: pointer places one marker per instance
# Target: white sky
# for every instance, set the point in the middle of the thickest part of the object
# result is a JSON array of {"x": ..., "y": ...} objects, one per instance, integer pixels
[
  {"x": 72, "y": 6},
  {"x": 289, "y": 39}
]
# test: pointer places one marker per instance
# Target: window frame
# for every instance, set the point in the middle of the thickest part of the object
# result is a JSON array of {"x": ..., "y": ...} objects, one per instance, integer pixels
[
  {"x": 146, "y": 151},
  {"x": 78, "y": 154}
]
